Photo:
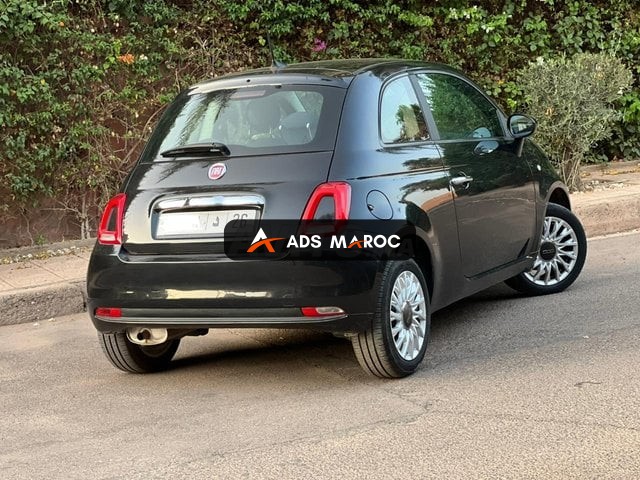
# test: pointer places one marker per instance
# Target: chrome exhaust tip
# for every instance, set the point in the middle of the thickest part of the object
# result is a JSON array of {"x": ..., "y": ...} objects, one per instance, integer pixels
[{"x": 147, "y": 336}]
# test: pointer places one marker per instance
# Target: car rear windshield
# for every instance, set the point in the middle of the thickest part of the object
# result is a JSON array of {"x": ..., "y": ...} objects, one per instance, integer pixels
[{"x": 251, "y": 120}]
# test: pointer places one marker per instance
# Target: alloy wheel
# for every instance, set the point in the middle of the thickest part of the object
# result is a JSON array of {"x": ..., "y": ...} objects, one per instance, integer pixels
[
  {"x": 558, "y": 253},
  {"x": 408, "y": 315}
]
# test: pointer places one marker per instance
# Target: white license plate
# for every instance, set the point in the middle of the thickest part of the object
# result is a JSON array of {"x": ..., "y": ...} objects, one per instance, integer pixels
[{"x": 200, "y": 224}]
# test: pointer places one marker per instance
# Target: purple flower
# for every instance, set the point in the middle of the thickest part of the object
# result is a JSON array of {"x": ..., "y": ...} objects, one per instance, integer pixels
[{"x": 319, "y": 45}]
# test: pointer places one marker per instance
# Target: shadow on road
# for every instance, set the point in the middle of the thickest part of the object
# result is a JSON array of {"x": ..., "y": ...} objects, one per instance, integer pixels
[
  {"x": 453, "y": 327},
  {"x": 267, "y": 345}
]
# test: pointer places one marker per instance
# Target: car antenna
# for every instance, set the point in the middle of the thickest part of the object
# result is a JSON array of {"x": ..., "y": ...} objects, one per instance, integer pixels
[{"x": 275, "y": 64}]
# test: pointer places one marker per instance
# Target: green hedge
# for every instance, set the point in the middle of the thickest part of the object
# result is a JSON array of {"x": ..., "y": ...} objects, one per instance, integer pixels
[{"x": 82, "y": 82}]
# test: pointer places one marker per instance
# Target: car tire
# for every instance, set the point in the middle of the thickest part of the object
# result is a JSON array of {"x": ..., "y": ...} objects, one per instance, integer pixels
[
  {"x": 396, "y": 342},
  {"x": 563, "y": 250},
  {"x": 130, "y": 357}
]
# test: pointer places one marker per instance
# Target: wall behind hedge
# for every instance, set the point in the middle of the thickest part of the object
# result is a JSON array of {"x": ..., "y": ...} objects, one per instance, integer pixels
[{"x": 82, "y": 82}]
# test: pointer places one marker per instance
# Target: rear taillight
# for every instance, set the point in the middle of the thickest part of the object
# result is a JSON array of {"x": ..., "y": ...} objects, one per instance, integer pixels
[
  {"x": 110, "y": 229},
  {"x": 337, "y": 192}
]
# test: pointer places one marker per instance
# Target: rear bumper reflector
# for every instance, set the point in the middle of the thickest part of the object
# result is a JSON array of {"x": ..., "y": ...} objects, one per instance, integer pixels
[
  {"x": 321, "y": 311},
  {"x": 109, "y": 312}
]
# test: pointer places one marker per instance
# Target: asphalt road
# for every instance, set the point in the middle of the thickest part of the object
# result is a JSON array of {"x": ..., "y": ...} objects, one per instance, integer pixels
[{"x": 512, "y": 387}]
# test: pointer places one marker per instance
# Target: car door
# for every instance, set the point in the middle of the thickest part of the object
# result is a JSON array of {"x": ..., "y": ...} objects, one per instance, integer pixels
[{"x": 493, "y": 188}]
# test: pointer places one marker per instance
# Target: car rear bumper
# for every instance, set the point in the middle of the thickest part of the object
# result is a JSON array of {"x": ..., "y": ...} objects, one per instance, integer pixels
[
  {"x": 241, "y": 318},
  {"x": 225, "y": 293}
]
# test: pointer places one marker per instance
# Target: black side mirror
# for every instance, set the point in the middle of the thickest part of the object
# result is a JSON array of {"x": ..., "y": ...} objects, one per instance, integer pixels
[{"x": 521, "y": 126}]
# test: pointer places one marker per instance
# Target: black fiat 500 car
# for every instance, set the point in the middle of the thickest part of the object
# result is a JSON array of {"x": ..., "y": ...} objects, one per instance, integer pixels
[{"x": 375, "y": 140}]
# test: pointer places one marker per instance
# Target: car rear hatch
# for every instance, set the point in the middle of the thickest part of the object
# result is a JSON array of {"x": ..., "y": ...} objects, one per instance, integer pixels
[{"x": 219, "y": 155}]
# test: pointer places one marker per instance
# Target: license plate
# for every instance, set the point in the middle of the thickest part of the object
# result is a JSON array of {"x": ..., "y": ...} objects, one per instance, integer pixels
[{"x": 200, "y": 224}]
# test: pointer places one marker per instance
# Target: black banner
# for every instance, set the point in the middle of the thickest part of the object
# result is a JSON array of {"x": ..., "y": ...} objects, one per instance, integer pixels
[{"x": 322, "y": 240}]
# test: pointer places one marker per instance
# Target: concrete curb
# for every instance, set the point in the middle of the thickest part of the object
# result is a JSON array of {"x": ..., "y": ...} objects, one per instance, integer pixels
[
  {"x": 41, "y": 303},
  {"x": 601, "y": 220},
  {"x": 620, "y": 213}
]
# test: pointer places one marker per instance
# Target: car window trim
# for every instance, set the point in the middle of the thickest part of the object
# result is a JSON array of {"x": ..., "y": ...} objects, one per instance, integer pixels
[
  {"x": 501, "y": 115},
  {"x": 424, "y": 106}
]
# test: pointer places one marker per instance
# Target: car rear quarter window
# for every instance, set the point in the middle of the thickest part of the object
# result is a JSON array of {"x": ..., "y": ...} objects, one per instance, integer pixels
[
  {"x": 401, "y": 118},
  {"x": 459, "y": 110},
  {"x": 251, "y": 120}
]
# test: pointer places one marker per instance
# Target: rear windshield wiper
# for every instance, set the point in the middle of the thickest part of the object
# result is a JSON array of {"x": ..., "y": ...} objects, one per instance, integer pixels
[{"x": 197, "y": 150}]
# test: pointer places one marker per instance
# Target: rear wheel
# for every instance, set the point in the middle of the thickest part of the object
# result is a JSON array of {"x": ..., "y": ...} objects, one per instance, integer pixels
[
  {"x": 563, "y": 249},
  {"x": 396, "y": 343},
  {"x": 130, "y": 357}
]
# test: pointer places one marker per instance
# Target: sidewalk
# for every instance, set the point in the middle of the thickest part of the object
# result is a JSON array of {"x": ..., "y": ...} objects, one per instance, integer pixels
[
  {"x": 41, "y": 287},
  {"x": 35, "y": 289}
]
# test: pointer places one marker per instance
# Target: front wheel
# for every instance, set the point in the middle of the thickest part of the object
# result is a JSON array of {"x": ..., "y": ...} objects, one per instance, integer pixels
[
  {"x": 130, "y": 357},
  {"x": 396, "y": 342},
  {"x": 563, "y": 250}
]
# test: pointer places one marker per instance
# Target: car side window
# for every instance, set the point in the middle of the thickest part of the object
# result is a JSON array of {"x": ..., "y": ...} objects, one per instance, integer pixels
[
  {"x": 401, "y": 118},
  {"x": 459, "y": 110}
]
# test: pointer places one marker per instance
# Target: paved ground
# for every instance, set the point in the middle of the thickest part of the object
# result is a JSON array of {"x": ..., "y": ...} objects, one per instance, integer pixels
[{"x": 511, "y": 388}]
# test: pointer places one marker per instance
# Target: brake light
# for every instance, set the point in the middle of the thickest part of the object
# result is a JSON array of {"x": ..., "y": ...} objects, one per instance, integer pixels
[
  {"x": 339, "y": 192},
  {"x": 111, "y": 312},
  {"x": 110, "y": 228}
]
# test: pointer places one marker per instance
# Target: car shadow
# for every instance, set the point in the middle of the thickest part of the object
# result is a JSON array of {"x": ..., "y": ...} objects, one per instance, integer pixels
[
  {"x": 465, "y": 309},
  {"x": 272, "y": 344},
  {"x": 284, "y": 349}
]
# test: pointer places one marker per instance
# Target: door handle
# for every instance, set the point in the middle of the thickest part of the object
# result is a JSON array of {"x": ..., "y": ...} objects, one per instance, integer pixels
[{"x": 463, "y": 180}]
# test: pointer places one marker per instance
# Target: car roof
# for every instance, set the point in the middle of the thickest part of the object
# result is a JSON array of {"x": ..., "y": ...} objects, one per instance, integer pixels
[{"x": 337, "y": 73}]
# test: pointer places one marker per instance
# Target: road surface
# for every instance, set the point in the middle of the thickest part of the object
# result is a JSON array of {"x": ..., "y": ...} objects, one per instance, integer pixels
[{"x": 511, "y": 387}]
